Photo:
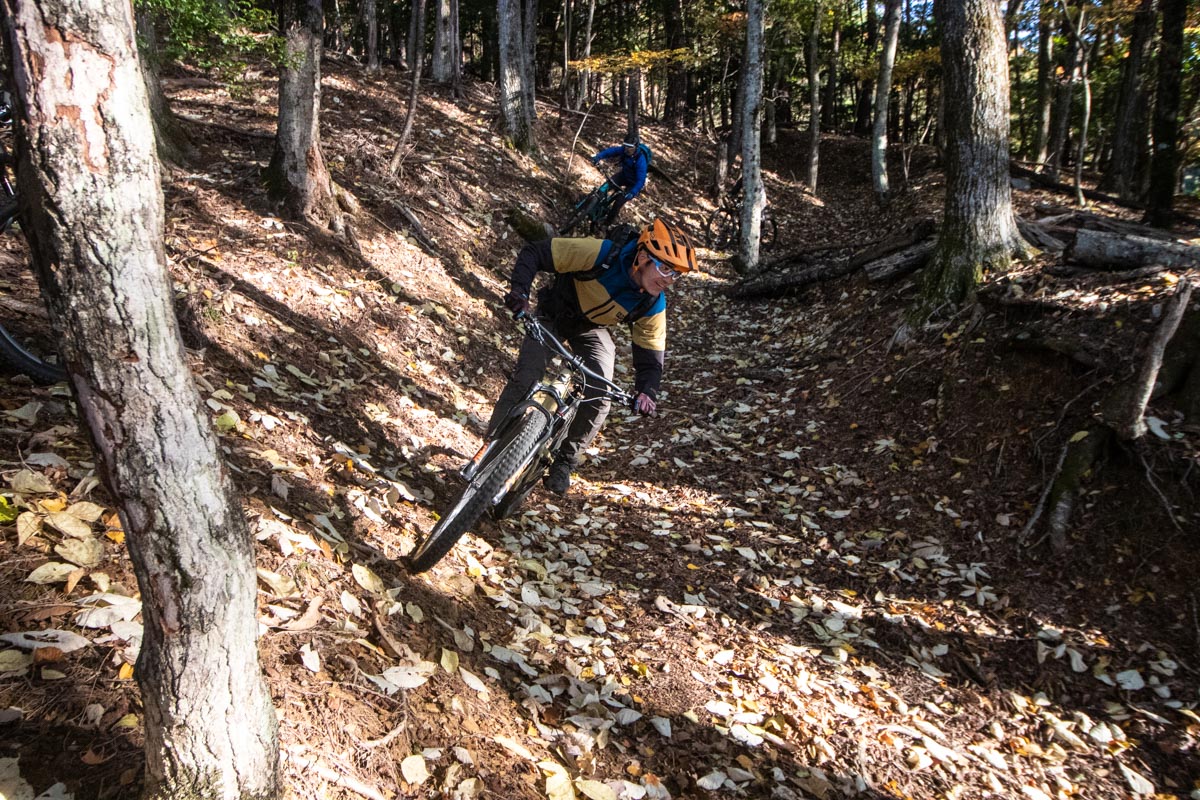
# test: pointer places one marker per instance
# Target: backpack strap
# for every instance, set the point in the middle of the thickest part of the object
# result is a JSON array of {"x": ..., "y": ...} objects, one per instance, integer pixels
[{"x": 619, "y": 237}]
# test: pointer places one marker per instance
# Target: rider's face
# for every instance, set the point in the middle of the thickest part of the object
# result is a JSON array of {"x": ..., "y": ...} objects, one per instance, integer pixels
[{"x": 651, "y": 276}]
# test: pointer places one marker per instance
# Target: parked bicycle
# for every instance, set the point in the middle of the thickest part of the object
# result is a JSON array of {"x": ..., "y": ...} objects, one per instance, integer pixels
[
  {"x": 25, "y": 338},
  {"x": 724, "y": 227},
  {"x": 592, "y": 208},
  {"x": 513, "y": 460}
]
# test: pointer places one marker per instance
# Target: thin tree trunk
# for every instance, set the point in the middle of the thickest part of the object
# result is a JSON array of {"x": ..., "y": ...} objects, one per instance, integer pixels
[
  {"x": 439, "y": 70},
  {"x": 513, "y": 92},
  {"x": 814, "y": 98},
  {"x": 883, "y": 90},
  {"x": 96, "y": 214},
  {"x": 371, "y": 32},
  {"x": 414, "y": 91},
  {"x": 1064, "y": 97},
  {"x": 830, "y": 106},
  {"x": 1045, "y": 70},
  {"x": 752, "y": 89}
]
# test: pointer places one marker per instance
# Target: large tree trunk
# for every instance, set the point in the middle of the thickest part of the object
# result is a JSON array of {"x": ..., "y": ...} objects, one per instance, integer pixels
[
  {"x": 96, "y": 226},
  {"x": 752, "y": 87},
  {"x": 1129, "y": 122},
  {"x": 297, "y": 177},
  {"x": 518, "y": 121},
  {"x": 866, "y": 87},
  {"x": 979, "y": 230},
  {"x": 883, "y": 90},
  {"x": 1160, "y": 200}
]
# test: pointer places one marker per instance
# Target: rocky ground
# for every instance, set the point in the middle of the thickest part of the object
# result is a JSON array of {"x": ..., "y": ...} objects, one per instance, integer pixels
[{"x": 808, "y": 577}]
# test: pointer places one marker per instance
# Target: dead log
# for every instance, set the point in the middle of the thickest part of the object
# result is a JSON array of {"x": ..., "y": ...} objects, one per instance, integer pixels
[
  {"x": 1041, "y": 238},
  {"x": 912, "y": 234},
  {"x": 908, "y": 260},
  {"x": 1110, "y": 251},
  {"x": 1062, "y": 271},
  {"x": 775, "y": 283}
]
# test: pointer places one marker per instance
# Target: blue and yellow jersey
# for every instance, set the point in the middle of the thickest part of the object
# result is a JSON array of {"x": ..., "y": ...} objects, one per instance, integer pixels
[{"x": 584, "y": 296}]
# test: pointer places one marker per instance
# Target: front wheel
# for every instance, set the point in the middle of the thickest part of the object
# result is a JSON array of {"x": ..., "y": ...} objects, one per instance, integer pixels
[
  {"x": 497, "y": 471},
  {"x": 721, "y": 230}
]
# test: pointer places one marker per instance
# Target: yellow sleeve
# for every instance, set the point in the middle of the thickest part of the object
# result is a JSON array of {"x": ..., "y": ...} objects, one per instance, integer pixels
[
  {"x": 651, "y": 332},
  {"x": 575, "y": 255}
]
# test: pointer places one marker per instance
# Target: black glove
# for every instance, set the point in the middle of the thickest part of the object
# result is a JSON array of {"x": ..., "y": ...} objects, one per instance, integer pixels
[{"x": 516, "y": 302}]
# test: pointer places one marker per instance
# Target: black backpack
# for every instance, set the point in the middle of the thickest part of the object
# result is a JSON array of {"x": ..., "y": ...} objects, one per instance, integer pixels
[{"x": 619, "y": 235}]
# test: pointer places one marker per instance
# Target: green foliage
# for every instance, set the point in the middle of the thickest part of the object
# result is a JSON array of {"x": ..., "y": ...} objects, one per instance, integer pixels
[{"x": 216, "y": 36}]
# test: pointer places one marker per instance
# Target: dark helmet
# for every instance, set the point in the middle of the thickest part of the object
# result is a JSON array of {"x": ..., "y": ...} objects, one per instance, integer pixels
[{"x": 631, "y": 141}]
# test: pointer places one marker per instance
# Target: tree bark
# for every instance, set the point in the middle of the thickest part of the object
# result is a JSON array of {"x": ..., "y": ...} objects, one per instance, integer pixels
[
  {"x": 414, "y": 90},
  {"x": 1045, "y": 70},
  {"x": 370, "y": 20},
  {"x": 754, "y": 199},
  {"x": 440, "y": 67},
  {"x": 297, "y": 177},
  {"x": 883, "y": 90},
  {"x": 1112, "y": 251},
  {"x": 1129, "y": 121},
  {"x": 96, "y": 227},
  {"x": 1132, "y": 424},
  {"x": 979, "y": 230},
  {"x": 1160, "y": 200},
  {"x": 174, "y": 146},
  {"x": 814, "y": 98},
  {"x": 514, "y": 93},
  {"x": 1063, "y": 100}
]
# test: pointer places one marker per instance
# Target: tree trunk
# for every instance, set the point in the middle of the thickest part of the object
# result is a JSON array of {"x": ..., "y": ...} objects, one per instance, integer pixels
[
  {"x": 979, "y": 230},
  {"x": 1129, "y": 121},
  {"x": 1160, "y": 200},
  {"x": 440, "y": 66},
  {"x": 297, "y": 177},
  {"x": 518, "y": 122},
  {"x": 883, "y": 90},
  {"x": 370, "y": 20},
  {"x": 1064, "y": 98},
  {"x": 1113, "y": 251},
  {"x": 414, "y": 90},
  {"x": 754, "y": 199},
  {"x": 814, "y": 97},
  {"x": 1045, "y": 80},
  {"x": 866, "y": 87},
  {"x": 174, "y": 146},
  {"x": 829, "y": 108},
  {"x": 96, "y": 222}
]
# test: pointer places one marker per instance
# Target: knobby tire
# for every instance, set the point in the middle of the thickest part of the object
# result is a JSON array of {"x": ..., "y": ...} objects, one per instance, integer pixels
[
  {"x": 14, "y": 357},
  {"x": 478, "y": 494},
  {"x": 719, "y": 231}
]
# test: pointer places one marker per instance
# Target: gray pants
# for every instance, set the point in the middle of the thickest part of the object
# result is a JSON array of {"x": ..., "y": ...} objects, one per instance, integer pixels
[{"x": 598, "y": 352}]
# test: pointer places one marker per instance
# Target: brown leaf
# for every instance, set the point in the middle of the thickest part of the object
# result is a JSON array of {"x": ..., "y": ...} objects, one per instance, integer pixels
[{"x": 47, "y": 655}]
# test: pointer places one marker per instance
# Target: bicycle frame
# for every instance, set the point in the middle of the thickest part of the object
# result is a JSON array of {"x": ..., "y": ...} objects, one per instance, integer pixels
[{"x": 558, "y": 398}]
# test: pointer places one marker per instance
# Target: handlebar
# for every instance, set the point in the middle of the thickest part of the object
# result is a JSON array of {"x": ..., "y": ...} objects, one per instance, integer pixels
[{"x": 539, "y": 333}]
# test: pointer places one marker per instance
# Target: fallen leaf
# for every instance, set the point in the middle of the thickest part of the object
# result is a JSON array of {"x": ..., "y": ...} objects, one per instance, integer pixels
[
  {"x": 52, "y": 572},
  {"x": 414, "y": 770},
  {"x": 367, "y": 579}
]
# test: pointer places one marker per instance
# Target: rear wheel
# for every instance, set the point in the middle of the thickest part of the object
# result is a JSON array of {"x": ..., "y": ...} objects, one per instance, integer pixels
[
  {"x": 509, "y": 455},
  {"x": 769, "y": 231},
  {"x": 26, "y": 341},
  {"x": 721, "y": 230}
]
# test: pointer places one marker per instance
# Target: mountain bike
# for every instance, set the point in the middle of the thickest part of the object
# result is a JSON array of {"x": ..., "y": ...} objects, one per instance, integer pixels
[
  {"x": 26, "y": 342},
  {"x": 511, "y": 462},
  {"x": 592, "y": 208},
  {"x": 724, "y": 227}
]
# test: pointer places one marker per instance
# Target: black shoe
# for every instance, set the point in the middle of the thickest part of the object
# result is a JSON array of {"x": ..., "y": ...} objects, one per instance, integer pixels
[{"x": 558, "y": 480}]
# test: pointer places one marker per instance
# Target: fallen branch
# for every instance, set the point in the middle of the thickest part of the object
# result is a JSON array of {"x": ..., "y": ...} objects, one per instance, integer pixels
[
  {"x": 902, "y": 263},
  {"x": 336, "y": 778}
]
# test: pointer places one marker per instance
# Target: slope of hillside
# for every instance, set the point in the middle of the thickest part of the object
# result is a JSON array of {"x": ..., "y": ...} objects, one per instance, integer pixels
[{"x": 805, "y": 578}]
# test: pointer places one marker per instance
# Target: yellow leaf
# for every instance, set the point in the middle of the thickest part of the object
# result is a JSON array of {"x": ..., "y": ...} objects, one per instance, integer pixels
[
  {"x": 1079, "y": 437},
  {"x": 125, "y": 672},
  {"x": 367, "y": 579},
  {"x": 127, "y": 721},
  {"x": 8, "y": 512},
  {"x": 449, "y": 660},
  {"x": 53, "y": 505}
]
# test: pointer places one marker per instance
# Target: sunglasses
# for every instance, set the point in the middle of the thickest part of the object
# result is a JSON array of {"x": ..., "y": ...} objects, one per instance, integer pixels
[{"x": 666, "y": 272}]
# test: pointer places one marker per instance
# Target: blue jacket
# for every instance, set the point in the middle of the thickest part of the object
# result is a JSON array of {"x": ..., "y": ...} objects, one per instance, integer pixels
[{"x": 632, "y": 176}]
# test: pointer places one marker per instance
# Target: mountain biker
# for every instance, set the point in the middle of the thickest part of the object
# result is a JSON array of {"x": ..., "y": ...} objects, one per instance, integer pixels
[
  {"x": 635, "y": 162},
  {"x": 597, "y": 283}
]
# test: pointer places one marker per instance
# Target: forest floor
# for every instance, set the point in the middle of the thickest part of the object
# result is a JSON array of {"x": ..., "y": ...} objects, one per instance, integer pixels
[{"x": 806, "y": 578}]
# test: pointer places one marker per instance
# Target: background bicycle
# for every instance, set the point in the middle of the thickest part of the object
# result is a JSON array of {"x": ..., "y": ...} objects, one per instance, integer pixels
[
  {"x": 512, "y": 461},
  {"x": 724, "y": 226},
  {"x": 26, "y": 341},
  {"x": 592, "y": 209}
]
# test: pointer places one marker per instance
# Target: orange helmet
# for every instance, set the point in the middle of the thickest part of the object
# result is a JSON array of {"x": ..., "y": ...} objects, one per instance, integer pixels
[{"x": 669, "y": 244}]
